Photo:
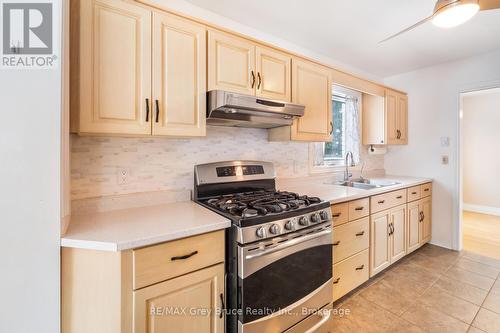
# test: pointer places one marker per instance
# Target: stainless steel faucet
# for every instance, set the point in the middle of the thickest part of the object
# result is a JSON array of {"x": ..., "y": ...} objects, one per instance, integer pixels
[{"x": 348, "y": 175}]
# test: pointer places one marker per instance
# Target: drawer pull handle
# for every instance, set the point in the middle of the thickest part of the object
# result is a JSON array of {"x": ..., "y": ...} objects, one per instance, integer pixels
[
  {"x": 360, "y": 233},
  {"x": 337, "y": 214},
  {"x": 399, "y": 197},
  {"x": 223, "y": 307},
  {"x": 426, "y": 190},
  {"x": 381, "y": 201},
  {"x": 336, "y": 243},
  {"x": 184, "y": 256},
  {"x": 359, "y": 208},
  {"x": 336, "y": 281},
  {"x": 413, "y": 193},
  {"x": 360, "y": 267}
]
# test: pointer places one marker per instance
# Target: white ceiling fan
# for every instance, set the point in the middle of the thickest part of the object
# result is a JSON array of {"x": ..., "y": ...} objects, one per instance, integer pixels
[{"x": 451, "y": 13}]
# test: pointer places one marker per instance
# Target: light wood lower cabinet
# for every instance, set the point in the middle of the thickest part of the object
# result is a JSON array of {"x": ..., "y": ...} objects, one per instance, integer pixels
[
  {"x": 388, "y": 238},
  {"x": 151, "y": 289},
  {"x": 350, "y": 238},
  {"x": 184, "y": 304},
  {"x": 419, "y": 222},
  {"x": 350, "y": 273},
  {"x": 414, "y": 224}
]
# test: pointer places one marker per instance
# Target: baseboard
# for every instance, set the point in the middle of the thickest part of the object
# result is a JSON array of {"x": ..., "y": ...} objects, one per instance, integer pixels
[{"x": 481, "y": 209}]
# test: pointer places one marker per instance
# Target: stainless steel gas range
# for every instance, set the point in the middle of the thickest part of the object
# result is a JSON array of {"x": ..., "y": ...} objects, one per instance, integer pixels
[{"x": 278, "y": 250}]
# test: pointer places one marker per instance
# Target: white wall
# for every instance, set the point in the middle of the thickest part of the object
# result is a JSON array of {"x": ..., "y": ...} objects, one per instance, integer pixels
[
  {"x": 433, "y": 113},
  {"x": 29, "y": 200},
  {"x": 480, "y": 139}
]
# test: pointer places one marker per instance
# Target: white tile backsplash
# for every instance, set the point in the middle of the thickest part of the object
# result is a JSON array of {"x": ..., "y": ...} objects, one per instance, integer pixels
[{"x": 161, "y": 164}]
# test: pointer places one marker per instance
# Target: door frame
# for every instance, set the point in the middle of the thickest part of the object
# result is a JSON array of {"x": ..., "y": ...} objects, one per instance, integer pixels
[{"x": 457, "y": 241}]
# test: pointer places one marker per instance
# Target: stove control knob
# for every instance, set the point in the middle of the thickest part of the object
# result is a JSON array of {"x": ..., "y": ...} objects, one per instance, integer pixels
[
  {"x": 274, "y": 229},
  {"x": 290, "y": 225},
  {"x": 261, "y": 232},
  {"x": 324, "y": 215},
  {"x": 303, "y": 221},
  {"x": 315, "y": 218}
]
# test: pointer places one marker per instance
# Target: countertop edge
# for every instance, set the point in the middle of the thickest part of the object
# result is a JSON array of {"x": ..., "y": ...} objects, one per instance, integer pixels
[
  {"x": 383, "y": 190},
  {"x": 129, "y": 245}
]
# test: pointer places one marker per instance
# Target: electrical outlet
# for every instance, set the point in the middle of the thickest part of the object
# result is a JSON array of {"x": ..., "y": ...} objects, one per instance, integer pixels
[
  {"x": 122, "y": 176},
  {"x": 444, "y": 159}
]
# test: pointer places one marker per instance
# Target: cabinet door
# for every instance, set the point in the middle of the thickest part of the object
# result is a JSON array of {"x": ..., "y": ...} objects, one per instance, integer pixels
[
  {"x": 231, "y": 63},
  {"x": 426, "y": 209},
  {"x": 403, "y": 119},
  {"x": 413, "y": 236},
  {"x": 380, "y": 257},
  {"x": 167, "y": 306},
  {"x": 273, "y": 74},
  {"x": 391, "y": 113},
  {"x": 179, "y": 76},
  {"x": 398, "y": 237},
  {"x": 115, "y": 67},
  {"x": 312, "y": 87}
]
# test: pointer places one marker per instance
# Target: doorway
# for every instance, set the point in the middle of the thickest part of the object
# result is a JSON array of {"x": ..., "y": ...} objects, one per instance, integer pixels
[{"x": 480, "y": 171}]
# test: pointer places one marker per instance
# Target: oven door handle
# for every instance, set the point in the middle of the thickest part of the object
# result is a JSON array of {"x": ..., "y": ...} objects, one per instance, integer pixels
[
  {"x": 290, "y": 243},
  {"x": 319, "y": 324}
]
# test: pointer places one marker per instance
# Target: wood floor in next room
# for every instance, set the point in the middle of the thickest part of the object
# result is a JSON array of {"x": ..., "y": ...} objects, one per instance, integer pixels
[
  {"x": 430, "y": 290},
  {"x": 481, "y": 234}
]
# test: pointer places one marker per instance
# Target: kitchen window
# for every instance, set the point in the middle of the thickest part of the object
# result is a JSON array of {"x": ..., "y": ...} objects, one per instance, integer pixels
[{"x": 346, "y": 132}]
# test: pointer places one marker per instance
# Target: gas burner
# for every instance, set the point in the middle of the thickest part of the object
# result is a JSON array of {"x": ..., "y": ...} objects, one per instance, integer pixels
[{"x": 261, "y": 203}]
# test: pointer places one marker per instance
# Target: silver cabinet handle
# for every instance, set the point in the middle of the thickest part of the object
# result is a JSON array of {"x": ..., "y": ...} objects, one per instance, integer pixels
[{"x": 320, "y": 323}]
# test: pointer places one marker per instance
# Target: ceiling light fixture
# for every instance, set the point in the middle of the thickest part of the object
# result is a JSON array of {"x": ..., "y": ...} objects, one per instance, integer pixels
[{"x": 451, "y": 13}]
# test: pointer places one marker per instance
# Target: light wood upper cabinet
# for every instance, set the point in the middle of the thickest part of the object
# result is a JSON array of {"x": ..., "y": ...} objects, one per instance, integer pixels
[
  {"x": 311, "y": 87},
  {"x": 179, "y": 76},
  {"x": 397, "y": 117},
  {"x": 385, "y": 119},
  {"x": 202, "y": 289},
  {"x": 273, "y": 74},
  {"x": 238, "y": 65},
  {"x": 231, "y": 63},
  {"x": 111, "y": 69},
  {"x": 136, "y": 71}
]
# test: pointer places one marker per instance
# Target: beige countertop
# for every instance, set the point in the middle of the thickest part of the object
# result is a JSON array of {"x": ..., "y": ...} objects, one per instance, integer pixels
[
  {"x": 323, "y": 187},
  {"x": 130, "y": 228},
  {"x": 141, "y": 226}
]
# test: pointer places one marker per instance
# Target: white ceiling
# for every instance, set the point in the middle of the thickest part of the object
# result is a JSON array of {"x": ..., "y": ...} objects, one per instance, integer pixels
[{"x": 349, "y": 31}]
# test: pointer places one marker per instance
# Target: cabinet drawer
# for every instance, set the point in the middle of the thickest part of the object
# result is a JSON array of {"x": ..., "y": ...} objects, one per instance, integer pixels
[
  {"x": 349, "y": 274},
  {"x": 164, "y": 261},
  {"x": 340, "y": 213},
  {"x": 413, "y": 193},
  {"x": 359, "y": 208},
  {"x": 350, "y": 238},
  {"x": 426, "y": 189},
  {"x": 385, "y": 201}
]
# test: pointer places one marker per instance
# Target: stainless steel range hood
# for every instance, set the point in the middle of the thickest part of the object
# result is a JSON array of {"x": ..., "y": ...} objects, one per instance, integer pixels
[{"x": 231, "y": 109}]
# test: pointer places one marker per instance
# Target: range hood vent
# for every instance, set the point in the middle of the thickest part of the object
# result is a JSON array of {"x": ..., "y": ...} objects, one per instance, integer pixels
[{"x": 231, "y": 109}]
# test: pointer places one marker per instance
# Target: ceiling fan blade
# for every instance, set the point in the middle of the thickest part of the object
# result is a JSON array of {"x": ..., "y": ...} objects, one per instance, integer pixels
[
  {"x": 407, "y": 29},
  {"x": 489, "y": 4}
]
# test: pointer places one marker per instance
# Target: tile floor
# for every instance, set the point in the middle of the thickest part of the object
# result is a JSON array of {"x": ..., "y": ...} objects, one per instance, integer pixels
[{"x": 430, "y": 290}]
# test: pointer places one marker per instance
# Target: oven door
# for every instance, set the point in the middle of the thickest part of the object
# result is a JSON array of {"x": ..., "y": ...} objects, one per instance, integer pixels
[{"x": 284, "y": 280}]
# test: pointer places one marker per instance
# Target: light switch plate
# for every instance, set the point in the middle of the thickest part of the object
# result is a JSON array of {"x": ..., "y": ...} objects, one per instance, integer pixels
[{"x": 445, "y": 141}]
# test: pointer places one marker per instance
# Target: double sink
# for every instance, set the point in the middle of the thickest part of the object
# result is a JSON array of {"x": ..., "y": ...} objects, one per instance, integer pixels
[{"x": 365, "y": 184}]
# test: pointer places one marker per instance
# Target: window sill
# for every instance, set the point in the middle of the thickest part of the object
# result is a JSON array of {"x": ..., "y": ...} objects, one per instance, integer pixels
[{"x": 313, "y": 170}]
